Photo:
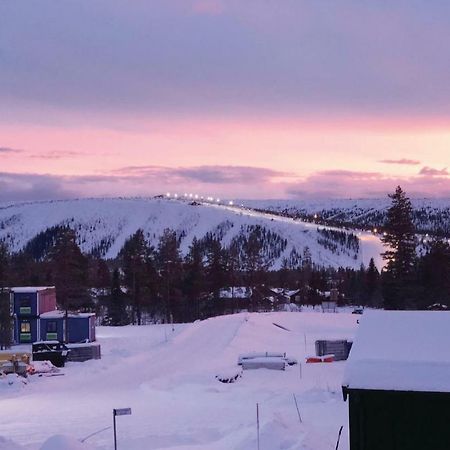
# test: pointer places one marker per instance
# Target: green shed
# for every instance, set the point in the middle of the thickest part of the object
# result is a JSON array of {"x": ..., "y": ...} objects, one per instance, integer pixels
[{"x": 397, "y": 382}]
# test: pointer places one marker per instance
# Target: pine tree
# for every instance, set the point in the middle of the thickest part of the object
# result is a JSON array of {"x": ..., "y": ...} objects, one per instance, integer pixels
[
  {"x": 400, "y": 256},
  {"x": 69, "y": 272},
  {"x": 194, "y": 279},
  {"x": 5, "y": 313},
  {"x": 117, "y": 313},
  {"x": 373, "y": 285},
  {"x": 169, "y": 263},
  {"x": 215, "y": 267},
  {"x": 253, "y": 257},
  {"x": 135, "y": 259},
  {"x": 434, "y": 275}
]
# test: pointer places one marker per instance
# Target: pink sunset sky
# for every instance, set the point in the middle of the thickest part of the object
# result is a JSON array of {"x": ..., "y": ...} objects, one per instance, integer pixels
[{"x": 255, "y": 99}]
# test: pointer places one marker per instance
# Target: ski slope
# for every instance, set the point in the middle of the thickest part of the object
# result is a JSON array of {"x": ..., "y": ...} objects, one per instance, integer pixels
[
  {"x": 113, "y": 221},
  {"x": 168, "y": 380}
]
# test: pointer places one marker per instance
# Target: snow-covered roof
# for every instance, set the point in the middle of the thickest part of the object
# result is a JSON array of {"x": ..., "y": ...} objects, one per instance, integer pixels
[
  {"x": 277, "y": 290},
  {"x": 235, "y": 292},
  {"x": 291, "y": 293},
  {"x": 401, "y": 351},
  {"x": 30, "y": 289},
  {"x": 58, "y": 314}
]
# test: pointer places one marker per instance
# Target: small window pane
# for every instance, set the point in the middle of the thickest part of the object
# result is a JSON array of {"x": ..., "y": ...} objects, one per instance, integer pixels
[
  {"x": 51, "y": 326},
  {"x": 25, "y": 327}
]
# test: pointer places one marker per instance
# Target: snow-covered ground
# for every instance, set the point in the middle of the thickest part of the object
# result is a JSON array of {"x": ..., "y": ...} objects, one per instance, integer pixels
[{"x": 168, "y": 380}]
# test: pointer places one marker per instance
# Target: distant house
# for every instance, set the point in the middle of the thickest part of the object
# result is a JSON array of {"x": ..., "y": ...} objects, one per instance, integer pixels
[
  {"x": 265, "y": 299},
  {"x": 294, "y": 295},
  {"x": 230, "y": 300},
  {"x": 80, "y": 326},
  {"x": 254, "y": 299},
  {"x": 36, "y": 318},
  {"x": 397, "y": 381},
  {"x": 27, "y": 305}
]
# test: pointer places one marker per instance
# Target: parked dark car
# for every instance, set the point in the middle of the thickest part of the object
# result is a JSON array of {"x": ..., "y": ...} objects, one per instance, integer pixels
[
  {"x": 358, "y": 311},
  {"x": 54, "y": 351}
]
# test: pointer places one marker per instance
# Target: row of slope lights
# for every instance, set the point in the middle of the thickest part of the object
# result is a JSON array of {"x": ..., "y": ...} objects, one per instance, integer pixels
[{"x": 198, "y": 197}]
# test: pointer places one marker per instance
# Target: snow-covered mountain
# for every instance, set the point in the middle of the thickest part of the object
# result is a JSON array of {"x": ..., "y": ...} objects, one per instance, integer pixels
[
  {"x": 103, "y": 225},
  {"x": 430, "y": 215}
]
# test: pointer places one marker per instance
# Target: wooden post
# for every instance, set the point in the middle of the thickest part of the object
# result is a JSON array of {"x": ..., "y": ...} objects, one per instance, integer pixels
[
  {"x": 257, "y": 423},
  {"x": 339, "y": 437},
  {"x": 114, "y": 425},
  {"x": 298, "y": 411}
]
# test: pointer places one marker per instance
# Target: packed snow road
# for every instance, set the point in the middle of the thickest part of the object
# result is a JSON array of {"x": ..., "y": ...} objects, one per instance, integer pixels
[{"x": 168, "y": 380}]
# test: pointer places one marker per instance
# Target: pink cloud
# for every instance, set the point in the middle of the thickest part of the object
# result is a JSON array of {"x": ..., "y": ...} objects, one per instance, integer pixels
[
  {"x": 403, "y": 161},
  {"x": 211, "y": 7},
  {"x": 352, "y": 184},
  {"x": 430, "y": 172}
]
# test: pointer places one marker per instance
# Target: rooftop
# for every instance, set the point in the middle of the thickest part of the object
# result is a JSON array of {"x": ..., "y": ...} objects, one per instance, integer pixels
[
  {"x": 30, "y": 289},
  {"x": 401, "y": 351},
  {"x": 57, "y": 314}
]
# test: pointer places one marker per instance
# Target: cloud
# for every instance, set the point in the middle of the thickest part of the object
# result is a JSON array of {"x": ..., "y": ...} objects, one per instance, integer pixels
[
  {"x": 404, "y": 161},
  {"x": 223, "y": 181},
  {"x": 141, "y": 180},
  {"x": 57, "y": 154},
  {"x": 204, "y": 174},
  {"x": 430, "y": 172},
  {"x": 212, "y": 7},
  {"x": 354, "y": 184},
  {"x": 20, "y": 187},
  {"x": 348, "y": 57},
  {"x": 9, "y": 150}
]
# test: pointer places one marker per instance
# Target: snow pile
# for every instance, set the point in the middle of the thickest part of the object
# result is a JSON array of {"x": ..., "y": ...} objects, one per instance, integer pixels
[
  {"x": 43, "y": 367},
  {"x": 12, "y": 382},
  {"x": 61, "y": 442}
]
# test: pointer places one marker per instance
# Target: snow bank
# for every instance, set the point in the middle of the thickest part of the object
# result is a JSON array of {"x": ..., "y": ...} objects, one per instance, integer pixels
[
  {"x": 12, "y": 382},
  {"x": 7, "y": 444}
]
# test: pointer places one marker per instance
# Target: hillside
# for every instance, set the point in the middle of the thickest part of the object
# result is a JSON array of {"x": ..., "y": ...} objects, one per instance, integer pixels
[
  {"x": 430, "y": 216},
  {"x": 103, "y": 225}
]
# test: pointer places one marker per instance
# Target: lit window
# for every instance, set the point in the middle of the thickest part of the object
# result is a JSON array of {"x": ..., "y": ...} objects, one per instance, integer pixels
[{"x": 25, "y": 327}]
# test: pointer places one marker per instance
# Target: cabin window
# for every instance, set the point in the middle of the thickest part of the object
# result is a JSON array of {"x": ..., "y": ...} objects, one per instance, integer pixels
[
  {"x": 25, "y": 305},
  {"x": 25, "y": 301},
  {"x": 25, "y": 327},
  {"x": 52, "y": 326}
]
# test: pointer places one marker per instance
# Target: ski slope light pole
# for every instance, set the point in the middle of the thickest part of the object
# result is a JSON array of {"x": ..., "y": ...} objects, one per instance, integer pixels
[{"x": 119, "y": 412}]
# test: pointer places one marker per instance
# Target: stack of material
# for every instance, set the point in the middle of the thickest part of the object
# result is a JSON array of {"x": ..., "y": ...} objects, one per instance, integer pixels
[
  {"x": 339, "y": 348},
  {"x": 252, "y": 355},
  {"x": 84, "y": 352},
  {"x": 263, "y": 360},
  {"x": 320, "y": 359},
  {"x": 274, "y": 363}
]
